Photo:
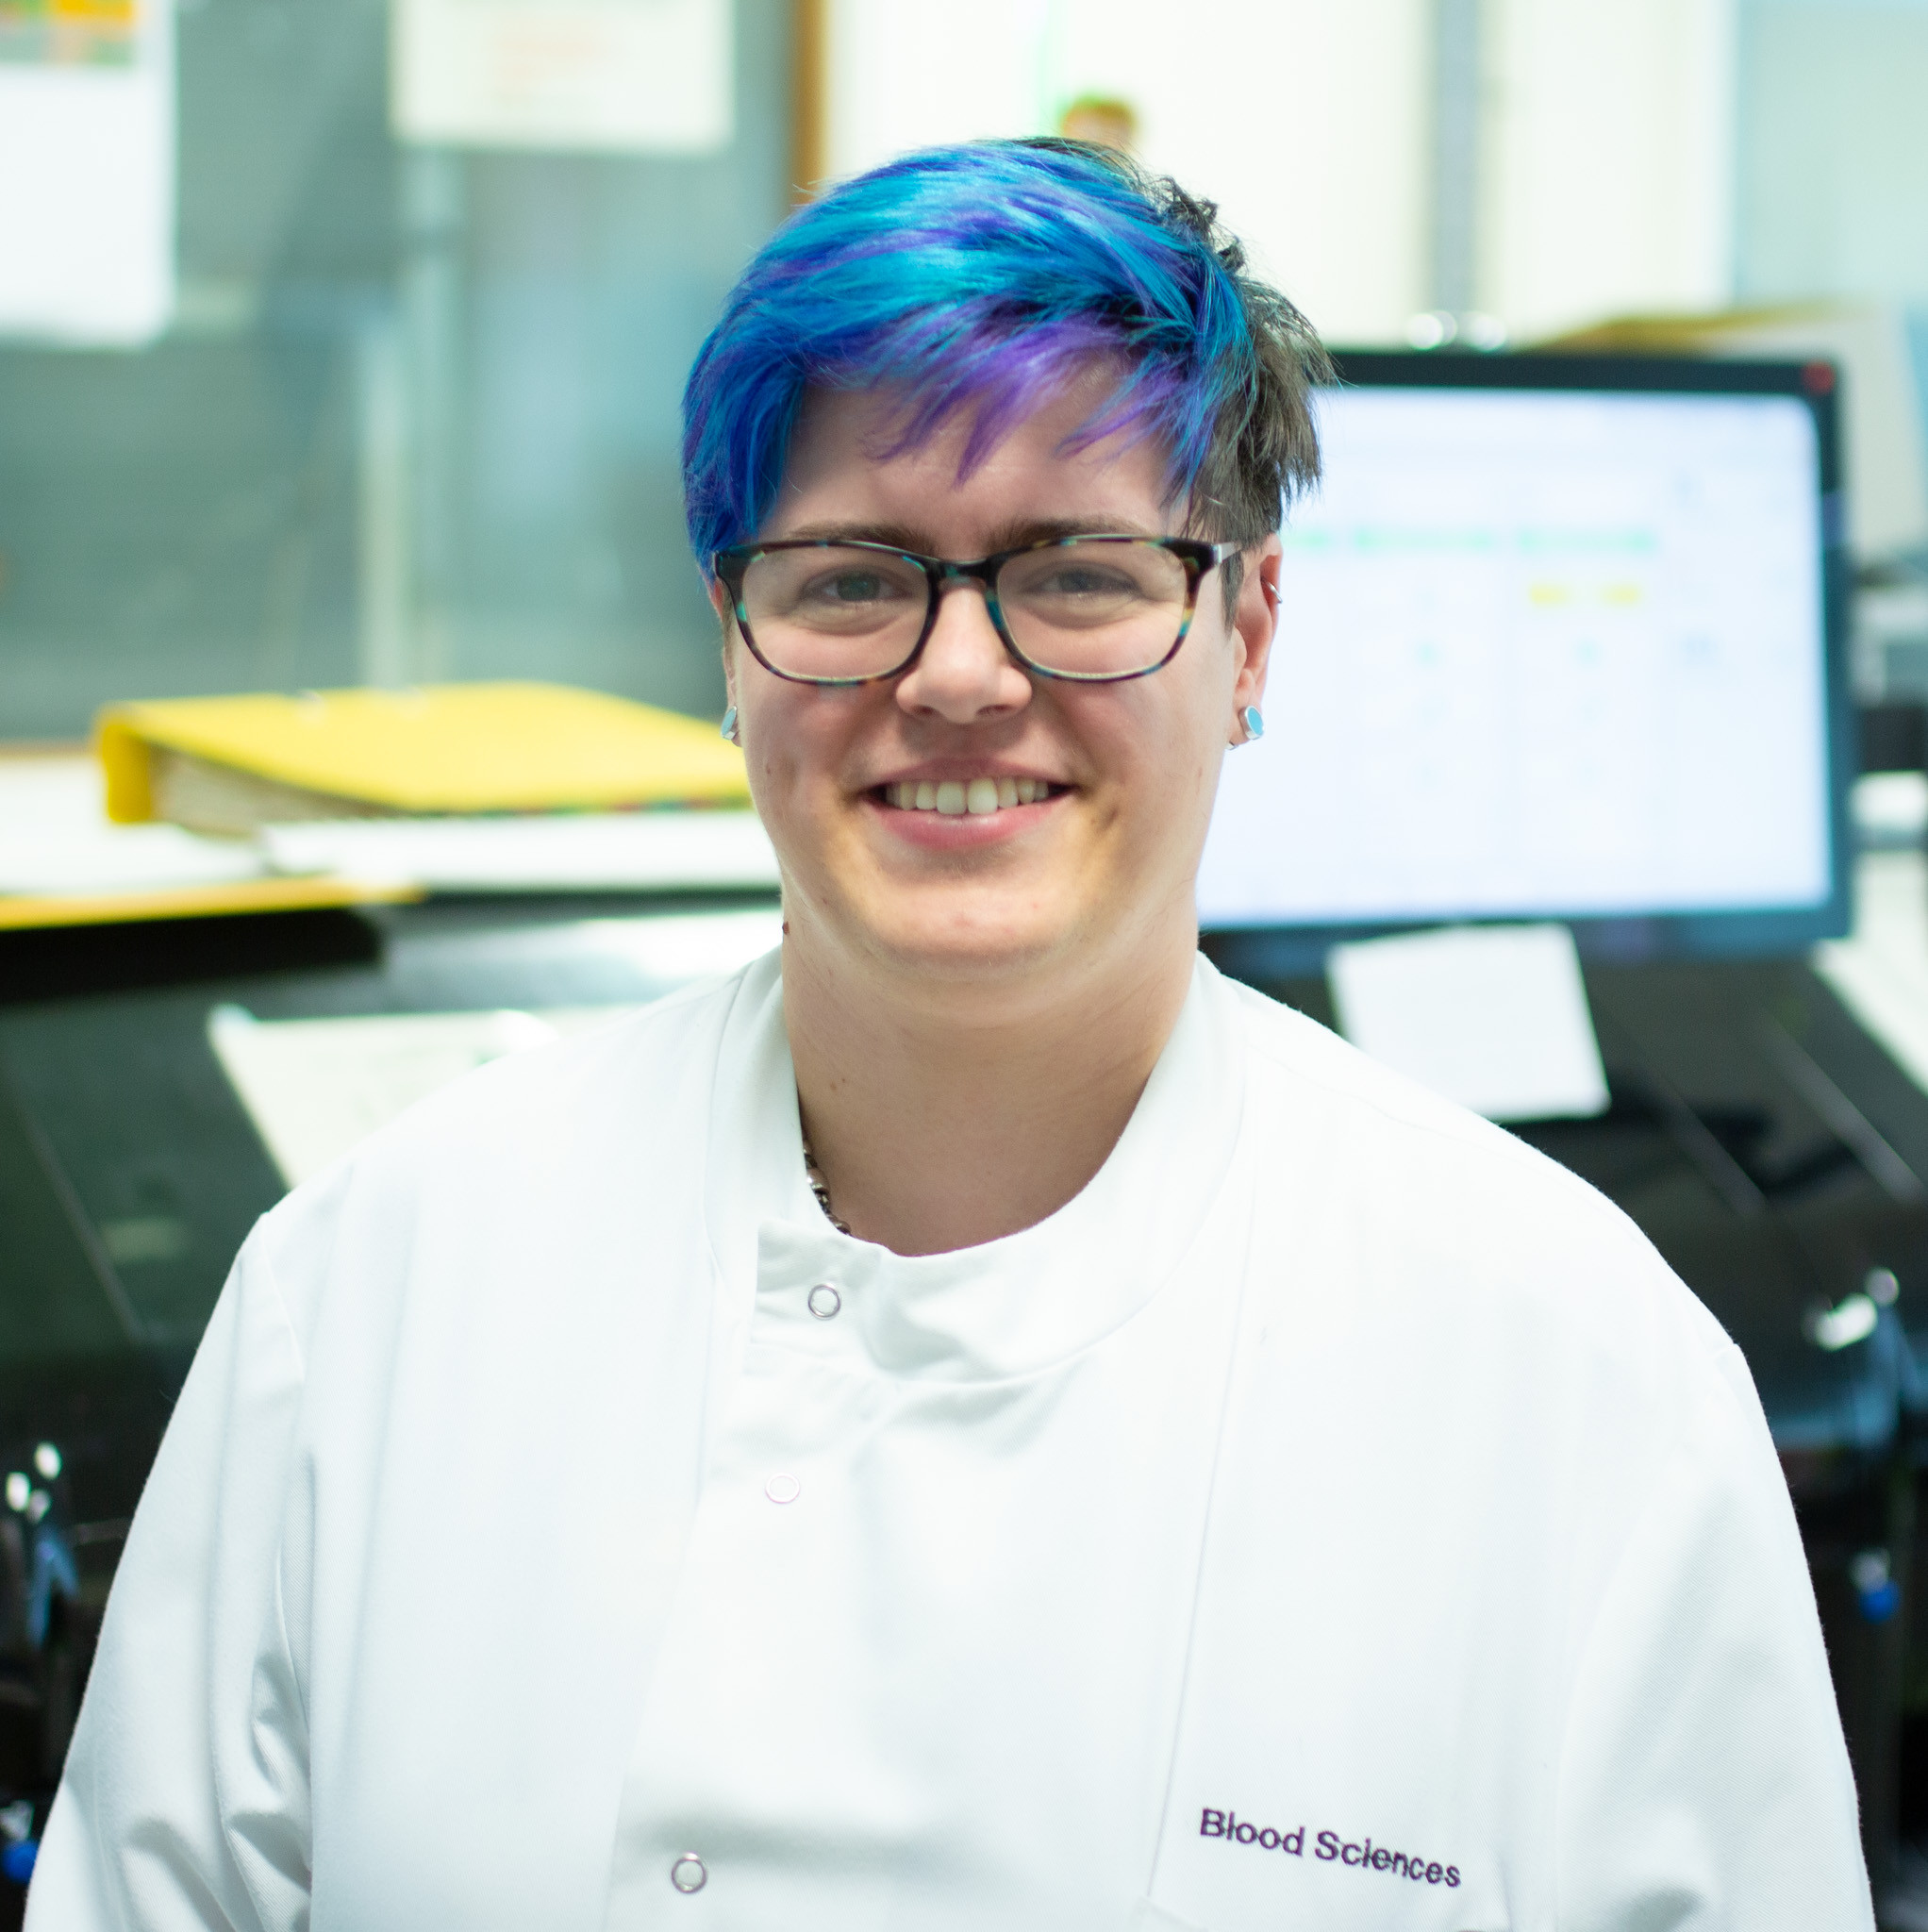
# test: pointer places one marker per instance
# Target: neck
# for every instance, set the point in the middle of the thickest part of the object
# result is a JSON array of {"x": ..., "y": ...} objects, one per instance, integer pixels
[{"x": 946, "y": 1113}]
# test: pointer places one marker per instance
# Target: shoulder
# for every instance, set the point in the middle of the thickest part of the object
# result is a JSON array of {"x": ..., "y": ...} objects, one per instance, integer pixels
[
  {"x": 1401, "y": 1139},
  {"x": 1463, "y": 1225},
  {"x": 1287, "y": 1052}
]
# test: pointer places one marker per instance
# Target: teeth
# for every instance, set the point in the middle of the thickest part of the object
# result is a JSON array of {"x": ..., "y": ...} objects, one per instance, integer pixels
[{"x": 954, "y": 797}]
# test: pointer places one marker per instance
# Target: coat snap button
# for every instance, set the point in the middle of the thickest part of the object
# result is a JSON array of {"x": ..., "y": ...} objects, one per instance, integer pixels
[
  {"x": 689, "y": 1874},
  {"x": 824, "y": 1300},
  {"x": 782, "y": 1489}
]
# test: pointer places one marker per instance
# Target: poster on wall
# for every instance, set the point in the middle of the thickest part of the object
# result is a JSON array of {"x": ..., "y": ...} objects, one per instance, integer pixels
[
  {"x": 87, "y": 170},
  {"x": 636, "y": 76}
]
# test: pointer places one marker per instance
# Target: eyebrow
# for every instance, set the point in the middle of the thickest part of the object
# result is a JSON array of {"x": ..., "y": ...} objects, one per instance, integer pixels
[{"x": 1011, "y": 536}]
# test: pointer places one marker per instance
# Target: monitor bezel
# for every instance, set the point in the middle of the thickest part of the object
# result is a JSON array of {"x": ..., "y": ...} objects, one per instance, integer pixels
[{"x": 1268, "y": 953}]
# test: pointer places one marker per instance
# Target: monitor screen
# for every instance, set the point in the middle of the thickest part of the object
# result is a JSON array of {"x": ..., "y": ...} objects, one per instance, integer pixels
[{"x": 1554, "y": 642}]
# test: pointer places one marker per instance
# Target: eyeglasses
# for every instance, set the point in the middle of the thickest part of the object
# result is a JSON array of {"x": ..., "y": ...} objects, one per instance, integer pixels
[{"x": 1091, "y": 609}]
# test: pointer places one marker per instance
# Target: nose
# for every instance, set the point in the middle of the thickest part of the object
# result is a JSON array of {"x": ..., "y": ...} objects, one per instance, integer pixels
[{"x": 964, "y": 674}]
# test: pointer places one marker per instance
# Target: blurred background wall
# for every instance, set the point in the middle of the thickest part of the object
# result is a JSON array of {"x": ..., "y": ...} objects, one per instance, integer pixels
[
  {"x": 412, "y": 414},
  {"x": 415, "y": 412}
]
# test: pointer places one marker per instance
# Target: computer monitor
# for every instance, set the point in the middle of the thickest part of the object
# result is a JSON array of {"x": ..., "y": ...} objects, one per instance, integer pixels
[{"x": 1560, "y": 638}]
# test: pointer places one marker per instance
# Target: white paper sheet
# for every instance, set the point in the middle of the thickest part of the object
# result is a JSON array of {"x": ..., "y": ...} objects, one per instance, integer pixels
[
  {"x": 635, "y": 75},
  {"x": 640, "y": 850},
  {"x": 87, "y": 171},
  {"x": 1493, "y": 1017},
  {"x": 121, "y": 859},
  {"x": 56, "y": 837},
  {"x": 1890, "y": 810},
  {"x": 315, "y": 1088}
]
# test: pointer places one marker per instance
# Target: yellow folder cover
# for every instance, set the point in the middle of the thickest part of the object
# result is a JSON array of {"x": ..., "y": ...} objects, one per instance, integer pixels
[
  {"x": 445, "y": 748},
  {"x": 24, "y": 910}
]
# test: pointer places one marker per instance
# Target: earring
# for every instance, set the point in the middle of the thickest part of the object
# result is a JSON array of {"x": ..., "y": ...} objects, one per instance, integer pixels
[
  {"x": 729, "y": 725},
  {"x": 1253, "y": 721}
]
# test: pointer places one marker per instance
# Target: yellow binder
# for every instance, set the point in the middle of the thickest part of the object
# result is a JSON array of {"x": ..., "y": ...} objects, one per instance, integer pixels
[
  {"x": 232, "y": 763},
  {"x": 20, "y": 911}
]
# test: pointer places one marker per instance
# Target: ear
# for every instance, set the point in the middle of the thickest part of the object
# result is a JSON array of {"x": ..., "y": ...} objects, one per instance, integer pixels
[{"x": 1254, "y": 623}]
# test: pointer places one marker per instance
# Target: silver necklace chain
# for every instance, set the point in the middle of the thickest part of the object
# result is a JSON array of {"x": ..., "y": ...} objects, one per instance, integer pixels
[{"x": 814, "y": 1175}]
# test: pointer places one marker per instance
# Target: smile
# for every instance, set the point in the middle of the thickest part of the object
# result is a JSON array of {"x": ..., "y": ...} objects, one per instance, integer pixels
[{"x": 955, "y": 797}]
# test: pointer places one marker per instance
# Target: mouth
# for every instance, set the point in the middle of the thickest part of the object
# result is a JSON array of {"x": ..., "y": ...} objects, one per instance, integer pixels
[{"x": 954, "y": 798}]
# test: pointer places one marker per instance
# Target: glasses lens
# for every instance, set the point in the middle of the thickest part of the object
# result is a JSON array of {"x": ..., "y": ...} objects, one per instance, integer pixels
[
  {"x": 1095, "y": 606},
  {"x": 831, "y": 611}
]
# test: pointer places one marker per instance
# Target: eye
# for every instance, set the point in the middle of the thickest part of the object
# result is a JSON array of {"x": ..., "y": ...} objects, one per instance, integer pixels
[
  {"x": 1084, "y": 581},
  {"x": 850, "y": 587}
]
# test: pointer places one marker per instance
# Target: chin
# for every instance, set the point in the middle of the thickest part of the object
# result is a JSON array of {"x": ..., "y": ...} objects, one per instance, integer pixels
[{"x": 966, "y": 946}]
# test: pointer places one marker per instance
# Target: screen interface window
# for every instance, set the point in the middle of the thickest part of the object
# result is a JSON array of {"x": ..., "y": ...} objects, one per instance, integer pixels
[{"x": 1555, "y": 654}]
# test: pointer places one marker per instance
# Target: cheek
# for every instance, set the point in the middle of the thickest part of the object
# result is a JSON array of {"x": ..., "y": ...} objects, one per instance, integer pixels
[
  {"x": 777, "y": 777},
  {"x": 796, "y": 743},
  {"x": 1168, "y": 751}
]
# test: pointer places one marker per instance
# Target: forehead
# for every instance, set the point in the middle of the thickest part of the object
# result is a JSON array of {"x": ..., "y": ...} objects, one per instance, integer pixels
[{"x": 843, "y": 466}]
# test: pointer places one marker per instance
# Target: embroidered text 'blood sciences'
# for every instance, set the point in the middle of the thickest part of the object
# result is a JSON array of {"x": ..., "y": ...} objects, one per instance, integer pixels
[{"x": 1330, "y": 1846}]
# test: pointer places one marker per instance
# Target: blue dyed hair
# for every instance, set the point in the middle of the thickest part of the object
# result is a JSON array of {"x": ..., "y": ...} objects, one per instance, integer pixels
[{"x": 984, "y": 278}]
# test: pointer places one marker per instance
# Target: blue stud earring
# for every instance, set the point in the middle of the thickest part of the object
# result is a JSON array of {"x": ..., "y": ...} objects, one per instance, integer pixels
[
  {"x": 729, "y": 725},
  {"x": 1254, "y": 722}
]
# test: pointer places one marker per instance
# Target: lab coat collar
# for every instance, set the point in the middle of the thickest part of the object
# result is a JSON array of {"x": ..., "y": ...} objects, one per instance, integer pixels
[{"x": 1011, "y": 1306}]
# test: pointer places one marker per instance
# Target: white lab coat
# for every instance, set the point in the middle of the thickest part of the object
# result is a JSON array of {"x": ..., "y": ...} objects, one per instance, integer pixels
[{"x": 1335, "y": 1516}]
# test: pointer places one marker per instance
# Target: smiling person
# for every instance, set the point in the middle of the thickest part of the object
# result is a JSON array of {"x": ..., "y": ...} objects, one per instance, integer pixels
[{"x": 975, "y": 1422}]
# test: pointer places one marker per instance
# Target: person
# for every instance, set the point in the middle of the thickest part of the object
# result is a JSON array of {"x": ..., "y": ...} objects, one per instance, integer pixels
[
  {"x": 975, "y": 1421},
  {"x": 1103, "y": 120}
]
